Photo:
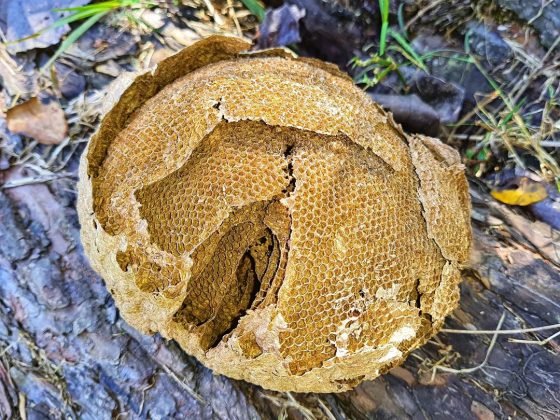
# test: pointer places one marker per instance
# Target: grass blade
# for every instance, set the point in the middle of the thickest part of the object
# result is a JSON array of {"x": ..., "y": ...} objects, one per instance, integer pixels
[
  {"x": 73, "y": 37},
  {"x": 58, "y": 23},
  {"x": 384, "y": 9},
  {"x": 416, "y": 59},
  {"x": 400, "y": 19},
  {"x": 255, "y": 8},
  {"x": 104, "y": 5},
  {"x": 512, "y": 113}
]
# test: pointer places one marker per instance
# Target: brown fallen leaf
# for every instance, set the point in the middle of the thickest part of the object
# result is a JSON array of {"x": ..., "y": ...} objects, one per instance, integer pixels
[{"x": 42, "y": 120}]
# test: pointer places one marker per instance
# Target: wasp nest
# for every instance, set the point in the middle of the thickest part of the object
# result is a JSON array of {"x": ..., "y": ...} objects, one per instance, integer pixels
[{"x": 264, "y": 213}]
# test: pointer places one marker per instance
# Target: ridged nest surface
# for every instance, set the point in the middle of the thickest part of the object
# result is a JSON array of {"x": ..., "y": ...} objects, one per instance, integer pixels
[{"x": 262, "y": 211}]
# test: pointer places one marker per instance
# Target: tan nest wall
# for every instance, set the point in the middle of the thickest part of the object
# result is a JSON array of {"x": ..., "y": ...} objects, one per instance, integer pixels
[{"x": 259, "y": 209}]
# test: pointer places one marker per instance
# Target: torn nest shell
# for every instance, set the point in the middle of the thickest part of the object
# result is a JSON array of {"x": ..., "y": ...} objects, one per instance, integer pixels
[{"x": 260, "y": 210}]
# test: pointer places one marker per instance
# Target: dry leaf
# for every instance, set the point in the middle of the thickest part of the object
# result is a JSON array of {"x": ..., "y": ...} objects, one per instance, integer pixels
[
  {"x": 280, "y": 27},
  {"x": 110, "y": 68},
  {"x": 184, "y": 36},
  {"x": 520, "y": 191},
  {"x": 25, "y": 18},
  {"x": 18, "y": 74},
  {"x": 42, "y": 120},
  {"x": 548, "y": 210}
]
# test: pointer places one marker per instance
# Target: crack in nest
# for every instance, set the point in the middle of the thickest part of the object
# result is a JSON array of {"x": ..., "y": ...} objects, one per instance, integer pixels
[
  {"x": 252, "y": 304},
  {"x": 260, "y": 289}
]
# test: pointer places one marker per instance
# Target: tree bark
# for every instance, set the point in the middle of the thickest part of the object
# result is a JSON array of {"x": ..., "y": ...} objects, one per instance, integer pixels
[{"x": 65, "y": 353}]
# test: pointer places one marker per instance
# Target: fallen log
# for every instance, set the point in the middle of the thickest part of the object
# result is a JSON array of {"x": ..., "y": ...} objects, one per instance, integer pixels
[{"x": 65, "y": 353}]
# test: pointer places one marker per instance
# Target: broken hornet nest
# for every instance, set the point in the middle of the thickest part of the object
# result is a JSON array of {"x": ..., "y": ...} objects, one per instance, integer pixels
[{"x": 263, "y": 212}]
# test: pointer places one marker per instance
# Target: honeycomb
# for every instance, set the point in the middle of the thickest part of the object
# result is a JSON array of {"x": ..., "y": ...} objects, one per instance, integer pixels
[{"x": 261, "y": 211}]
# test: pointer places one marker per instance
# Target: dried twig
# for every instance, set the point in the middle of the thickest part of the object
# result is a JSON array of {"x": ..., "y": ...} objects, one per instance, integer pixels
[
  {"x": 21, "y": 406},
  {"x": 35, "y": 180},
  {"x": 183, "y": 385},
  {"x": 326, "y": 410},
  {"x": 538, "y": 342},
  {"x": 422, "y": 12},
  {"x": 290, "y": 402},
  {"x": 484, "y": 362},
  {"x": 500, "y": 332}
]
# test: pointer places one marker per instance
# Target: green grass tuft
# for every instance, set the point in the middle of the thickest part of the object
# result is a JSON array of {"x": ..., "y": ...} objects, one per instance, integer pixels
[{"x": 255, "y": 8}]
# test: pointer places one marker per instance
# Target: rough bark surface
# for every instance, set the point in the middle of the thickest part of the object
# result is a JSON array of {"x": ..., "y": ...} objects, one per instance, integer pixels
[{"x": 65, "y": 353}]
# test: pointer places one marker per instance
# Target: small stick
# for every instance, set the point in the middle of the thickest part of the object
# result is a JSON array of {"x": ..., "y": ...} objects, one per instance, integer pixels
[
  {"x": 539, "y": 342},
  {"x": 21, "y": 406},
  {"x": 233, "y": 15},
  {"x": 182, "y": 384},
  {"x": 550, "y": 143},
  {"x": 484, "y": 362},
  {"x": 34, "y": 180},
  {"x": 326, "y": 410},
  {"x": 501, "y": 332}
]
